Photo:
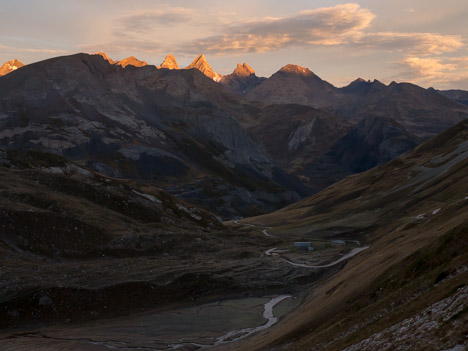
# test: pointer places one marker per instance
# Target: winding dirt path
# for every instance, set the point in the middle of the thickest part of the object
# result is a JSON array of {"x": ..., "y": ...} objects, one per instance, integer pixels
[{"x": 269, "y": 252}]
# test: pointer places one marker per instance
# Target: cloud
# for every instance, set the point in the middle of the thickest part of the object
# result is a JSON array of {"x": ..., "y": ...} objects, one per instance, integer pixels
[
  {"x": 433, "y": 71},
  {"x": 324, "y": 26},
  {"x": 413, "y": 43},
  {"x": 150, "y": 19},
  {"x": 127, "y": 44},
  {"x": 34, "y": 50},
  {"x": 344, "y": 25},
  {"x": 427, "y": 68}
]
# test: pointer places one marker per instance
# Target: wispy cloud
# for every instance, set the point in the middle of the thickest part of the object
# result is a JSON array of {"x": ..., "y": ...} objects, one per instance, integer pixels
[
  {"x": 34, "y": 50},
  {"x": 150, "y": 19},
  {"x": 433, "y": 70},
  {"x": 415, "y": 43},
  {"x": 324, "y": 26}
]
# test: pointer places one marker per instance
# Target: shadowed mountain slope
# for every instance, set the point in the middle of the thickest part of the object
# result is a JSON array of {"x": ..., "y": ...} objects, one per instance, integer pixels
[{"x": 371, "y": 142}]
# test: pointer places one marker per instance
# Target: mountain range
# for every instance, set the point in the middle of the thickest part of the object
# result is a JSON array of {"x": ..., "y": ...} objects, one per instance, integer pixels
[
  {"x": 116, "y": 177},
  {"x": 239, "y": 145}
]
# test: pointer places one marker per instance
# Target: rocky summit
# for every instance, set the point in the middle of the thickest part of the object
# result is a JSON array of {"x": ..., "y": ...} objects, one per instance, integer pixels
[
  {"x": 10, "y": 66},
  {"x": 203, "y": 66},
  {"x": 170, "y": 62}
]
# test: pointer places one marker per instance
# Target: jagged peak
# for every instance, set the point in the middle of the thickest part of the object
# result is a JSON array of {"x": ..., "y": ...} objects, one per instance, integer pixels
[
  {"x": 199, "y": 61},
  {"x": 106, "y": 57},
  {"x": 243, "y": 70},
  {"x": 170, "y": 62},
  {"x": 133, "y": 61},
  {"x": 203, "y": 66}
]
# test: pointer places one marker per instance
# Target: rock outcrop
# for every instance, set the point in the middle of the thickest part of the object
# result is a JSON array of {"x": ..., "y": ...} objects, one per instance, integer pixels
[{"x": 10, "y": 66}]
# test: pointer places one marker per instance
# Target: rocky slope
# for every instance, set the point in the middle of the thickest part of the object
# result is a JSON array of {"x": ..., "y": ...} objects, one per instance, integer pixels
[
  {"x": 242, "y": 80},
  {"x": 10, "y": 66},
  {"x": 171, "y": 127},
  {"x": 423, "y": 112},
  {"x": 407, "y": 290}
]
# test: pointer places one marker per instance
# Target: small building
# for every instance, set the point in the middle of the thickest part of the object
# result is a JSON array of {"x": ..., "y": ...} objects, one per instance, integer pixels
[
  {"x": 303, "y": 245},
  {"x": 339, "y": 242}
]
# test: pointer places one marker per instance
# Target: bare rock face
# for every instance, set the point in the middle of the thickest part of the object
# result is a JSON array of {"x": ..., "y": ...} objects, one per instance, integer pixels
[
  {"x": 203, "y": 66},
  {"x": 10, "y": 66},
  {"x": 170, "y": 62}
]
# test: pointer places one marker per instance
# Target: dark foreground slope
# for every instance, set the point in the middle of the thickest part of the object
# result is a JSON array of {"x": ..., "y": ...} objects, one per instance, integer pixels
[
  {"x": 408, "y": 289},
  {"x": 174, "y": 128},
  {"x": 77, "y": 246}
]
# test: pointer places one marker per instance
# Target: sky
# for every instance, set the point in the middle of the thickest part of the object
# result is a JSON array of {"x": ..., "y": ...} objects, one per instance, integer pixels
[{"x": 420, "y": 41}]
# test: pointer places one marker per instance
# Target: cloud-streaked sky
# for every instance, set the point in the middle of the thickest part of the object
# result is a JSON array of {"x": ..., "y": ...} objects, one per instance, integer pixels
[{"x": 420, "y": 41}]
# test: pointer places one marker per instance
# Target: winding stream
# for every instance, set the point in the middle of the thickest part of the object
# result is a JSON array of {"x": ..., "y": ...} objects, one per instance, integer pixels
[{"x": 240, "y": 334}]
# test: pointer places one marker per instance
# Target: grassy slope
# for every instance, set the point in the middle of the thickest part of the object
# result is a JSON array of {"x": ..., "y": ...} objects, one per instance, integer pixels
[{"x": 395, "y": 277}]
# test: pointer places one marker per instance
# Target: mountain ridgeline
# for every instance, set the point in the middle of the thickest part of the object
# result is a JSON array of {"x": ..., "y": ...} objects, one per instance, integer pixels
[{"x": 237, "y": 145}]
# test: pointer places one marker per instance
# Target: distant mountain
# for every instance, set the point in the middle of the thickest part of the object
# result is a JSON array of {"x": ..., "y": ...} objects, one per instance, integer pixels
[
  {"x": 175, "y": 128},
  {"x": 129, "y": 61},
  {"x": 10, "y": 66},
  {"x": 460, "y": 96},
  {"x": 422, "y": 112},
  {"x": 203, "y": 66},
  {"x": 294, "y": 84},
  {"x": 170, "y": 62},
  {"x": 242, "y": 80},
  {"x": 133, "y": 61}
]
